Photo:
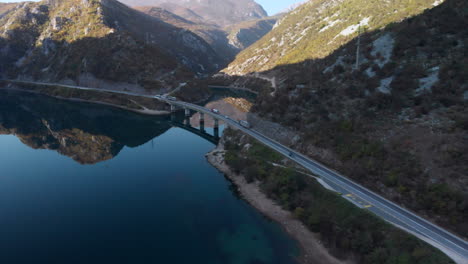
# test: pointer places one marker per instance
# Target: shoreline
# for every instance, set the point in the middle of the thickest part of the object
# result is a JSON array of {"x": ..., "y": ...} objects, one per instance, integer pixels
[
  {"x": 143, "y": 111},
  {"x": 312, "y": 251}
]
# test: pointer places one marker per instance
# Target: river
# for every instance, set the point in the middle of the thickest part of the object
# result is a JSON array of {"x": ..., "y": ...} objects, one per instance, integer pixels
[{"x": 82, "y": 183}]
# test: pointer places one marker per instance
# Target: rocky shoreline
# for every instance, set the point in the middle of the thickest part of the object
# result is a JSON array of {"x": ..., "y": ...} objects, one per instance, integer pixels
[{"x": 312, "y": 251}]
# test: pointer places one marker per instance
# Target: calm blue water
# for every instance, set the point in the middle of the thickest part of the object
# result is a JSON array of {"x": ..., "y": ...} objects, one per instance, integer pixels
[{"x": 106, "y": 186}]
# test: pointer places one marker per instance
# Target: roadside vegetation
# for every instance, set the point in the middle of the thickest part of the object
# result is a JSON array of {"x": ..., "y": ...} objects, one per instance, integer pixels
[{"x": 348, "y": 232}]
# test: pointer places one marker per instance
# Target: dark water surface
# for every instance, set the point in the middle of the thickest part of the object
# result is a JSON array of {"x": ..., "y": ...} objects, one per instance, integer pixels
[{"x": 80, "y": 183}]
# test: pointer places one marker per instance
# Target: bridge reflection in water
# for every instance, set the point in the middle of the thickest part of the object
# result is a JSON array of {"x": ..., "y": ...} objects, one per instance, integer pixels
[{"x": 183, "y": 121}]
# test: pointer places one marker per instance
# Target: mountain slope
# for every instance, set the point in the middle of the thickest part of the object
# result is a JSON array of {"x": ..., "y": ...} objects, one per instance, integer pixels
[
  {"x": 218, "y": 12},
  {"x": 75, "y": 40},
  {"x": 398, "y": 122},
  {"x": 317, "y": 28}
]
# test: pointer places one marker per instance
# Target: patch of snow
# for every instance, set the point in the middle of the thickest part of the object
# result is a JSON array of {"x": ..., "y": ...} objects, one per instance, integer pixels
[
  {"x": 425, "y": 84},
  {"x": 304, "y": 32},
  {"x": 330, "y": 24},
  {"x": 297, "y": 40},
  {"x": 353, "y": 28},
  {"x": 385, "y": 85},
  {"x": 370, "y": 73},
  {"x": 383, "y": 46},
  {"x": 278, "y": 23},
  {"x": 438, "y": 2}
]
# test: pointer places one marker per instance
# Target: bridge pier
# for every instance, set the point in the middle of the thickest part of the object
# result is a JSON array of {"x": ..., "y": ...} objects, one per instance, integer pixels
[
  {"x": 187, "y": 121},
  {"x": 202, "y": 126},
  {"x": 202, "y": 122},
  {"x": 216, "y": 128},
  {"x": 173, "y": 108},
  {"x": 187, "y": 112}
]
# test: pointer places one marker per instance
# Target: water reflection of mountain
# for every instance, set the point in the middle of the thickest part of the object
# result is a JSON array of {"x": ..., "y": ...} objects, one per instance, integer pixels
[{"x": 87, "y": 133}]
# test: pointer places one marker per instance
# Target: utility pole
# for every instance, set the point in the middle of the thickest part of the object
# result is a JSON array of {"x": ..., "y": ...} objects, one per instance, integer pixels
[{"x": 358, "y": 45}]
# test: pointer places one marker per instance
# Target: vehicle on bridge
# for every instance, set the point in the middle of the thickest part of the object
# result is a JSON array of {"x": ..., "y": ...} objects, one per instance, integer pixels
[
  {"x": 214, "y": 110},
  {"x": 171, "y": 98},
  {"x": 245, "y": 124}
]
